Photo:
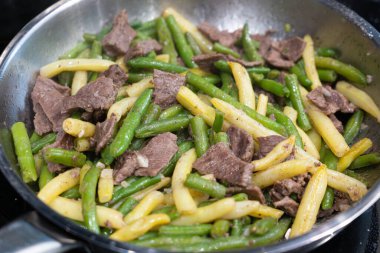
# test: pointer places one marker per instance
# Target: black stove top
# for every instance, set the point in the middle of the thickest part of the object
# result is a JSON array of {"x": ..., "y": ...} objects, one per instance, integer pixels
[{"x": 361, "y": 236}]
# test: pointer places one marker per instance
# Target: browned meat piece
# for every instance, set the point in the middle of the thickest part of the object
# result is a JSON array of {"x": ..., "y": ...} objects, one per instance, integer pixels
[
  {"x": 288, "y": 205},
  {"x": 342, "y": 201},
  {"x": 65, "y": 141},
  {"x": 220, "y": 161},
  {"x": 291, "y": 48},
  {"x": 330, "y": 101},
  {"x": 286, "y": 187},
  {"x": 337, "y": 123},
  {"x": 224, "y": 37},
  {"x": 97, "y": 95},
  {"x": 104, "y": 132},
  {"x": 125, "y": 166},
  {"x": 142, "y": 48},
  {"x": 118, "y": 40},
  {"x": 206, "y": 61},
  {"x": 253, "y": 191},
  {"x": 94, "y": 117},
  {"x": 241, "y": 143},
  {"x": 118, "y": 76},
  {"x": 159, "y": 150},
  {"x": 48, "y": 97},
  {"x": 166, "y": 86},
  {"x": 267, "y": 143}
]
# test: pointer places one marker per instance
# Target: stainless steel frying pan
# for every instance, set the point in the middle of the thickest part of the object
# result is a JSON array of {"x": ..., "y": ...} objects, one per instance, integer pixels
[{"x": 59, "y": 27}]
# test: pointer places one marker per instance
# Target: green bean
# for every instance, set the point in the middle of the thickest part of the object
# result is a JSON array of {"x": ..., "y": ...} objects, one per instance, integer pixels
[
  {"x": 347, "y": 71},
  {"x": 166, "y": 40},
  {"x": 148, "y": 235},
  {"x": 223, "y": 66},
  {"x": 170, "y": 241},
  {"x": 45, "y": 176},
  {"x": 75, "y": 51},
  {"x": 126, "y": 183},
  {"x": 218, "y": 121},
  {"x": 171, "y": 112},
  {"x": 93, "y": 76},
  {"x": 213, "y": 91},
  {"x": 236, "y": 227},
  {"x": 193, "y": 44},
  {"x": 200, "y": 230},
  {"x": 105, "y": 30},
  {"x": 229, "y": 86},
  {"x": 327, "y": 75},
  {"x": 147, "y": 63},
  {"x": 199, "y": 132},
  {"x": 107, "y": 158},
  {"x": 153, "y": 113},
  {"x": 212, "y": 188},
  {"x": 89, "y": 37},
  {"x": 273, "y": 74},
  {"x": 127, "y": 206},
  {"x": 215, "y": 245},
  {"x": 137, "y": 143},
  {"x": 240, "y": 196},
  {"x": 96, "y": 50},
  {"x": 24, "y": 152},
  {"x": 135, "y": 77},
  {"x": 162, "y": 126},
  {"x": 352, "y": 128},
  {"x": 328, "y": 199},
  {"x": 106, "y": 231},
  {"x": 357, "y": 176},
  {"x": 182, "y": 148},
  {"x": 171, "y": 211},
  {"x": 44, "y": 141},
  {"x": 327, "y": 52},
  {"x": 248, "y": 46},
  {"x": 296, "y": 99},
  {"x": 34, "y": 137},
  {"x": 274, "y": 87},
  {"x": 65, "y": 78},
  {"x": 125, "y": 134},
  {"x": 245, "y": 220},
  {"x": 276, "y": 234},
  {"x": 263, "y": 226},
  {"x": 183, "y": 48},
  {"x": 72, "y": 193},
  {"x": 257, "y": 77},
  {"x": 66, "y": 157},
  {"x": 301, "y": 76},
  {"x": 365, "y": 160},
  {"x": 134, "y": 187},
  {"x": 151, "y": 55},
  {"x": 90, "y": 182},
  {"x": 211, "y": 78},
  {"x": 221, "y": 137},
  {"x": 329, "y": 159},
  {"x": 220, "y": 228},
  {"x": 217, "y": 47},
  {"x": 148, "y": 25}
]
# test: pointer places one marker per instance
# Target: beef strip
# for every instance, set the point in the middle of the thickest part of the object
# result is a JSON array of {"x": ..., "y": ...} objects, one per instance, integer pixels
[
  {"x": 241, "y": 143},
  {"x": 267, "y": 143},
  {"x": 224, "y": 37},
  {"x": 337, "y": 123},
  {"x": 220, "y": 161},
  {"x": 142, "y": 48},
  {"x": 206, "y": 61},
  {"x": 64, "y": 141},
  {"x": 159, "y": 150},
  {"x": 330, "y": 101},
  {"x": 342, "y": 202},
  {"x": 125, "y": 166},
  {"x": 253, "y": 191},
  {"x": 288, "y": 205},
  {"x": 118, "y": 76},
  {"x": 97, "y": 95},
  {"x": 48, "y": 97},
  {"x": 291, "y": 48},
  {"x": 117, "y": 41},
  {"x": 104, "y": 132},
  {"x": 166, "y": 86}
]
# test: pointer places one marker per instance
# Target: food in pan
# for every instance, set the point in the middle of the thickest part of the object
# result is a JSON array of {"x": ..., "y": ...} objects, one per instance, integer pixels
[{"x": 170, "y": 135}]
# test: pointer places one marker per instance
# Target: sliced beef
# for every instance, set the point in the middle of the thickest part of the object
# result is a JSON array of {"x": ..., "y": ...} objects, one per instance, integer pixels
[
  {"x": 48, "y": 97},
  {"x": 104, "y": 132},
  {"x": 64, "y": 141},
  {"x": 286, "y": 187},
  {"x": 288, "y": 205},
  {"x": 241, "y": 143},
  {"x": 206, "y": 61},
  {"x": 220, "y": 161},
  {"x": 342, "y": 201},
  {"x": 253, "y": 191},
  {"x": 330, "y": 101},
  {"x": 267, "y": 143},
  {"x": 125, "y": 166},
  {"x": 224, "y": 37},
  {"x": 97, "y": 95},
  {"x": 94, "y": 117},
  {"x": 142, "y": 48},
  {"x": 159, "y": 150},
  {"x": 118, "y": 76},
  {"x": 337, "y": 123},
  {"x": 166, "y": 86},
  {"x": 118, "y": 40}
]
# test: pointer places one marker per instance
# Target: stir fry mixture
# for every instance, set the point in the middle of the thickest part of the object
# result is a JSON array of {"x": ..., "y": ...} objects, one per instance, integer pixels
[{"x": 166, "y": 134}]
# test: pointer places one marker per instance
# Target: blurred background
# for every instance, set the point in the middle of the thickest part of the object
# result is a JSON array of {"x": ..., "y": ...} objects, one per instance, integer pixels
[{"x": 361, "y": 236}]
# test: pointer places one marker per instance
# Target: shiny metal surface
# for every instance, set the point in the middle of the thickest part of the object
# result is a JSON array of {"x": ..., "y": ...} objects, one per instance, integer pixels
[{"x": 61, "y": 26}]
